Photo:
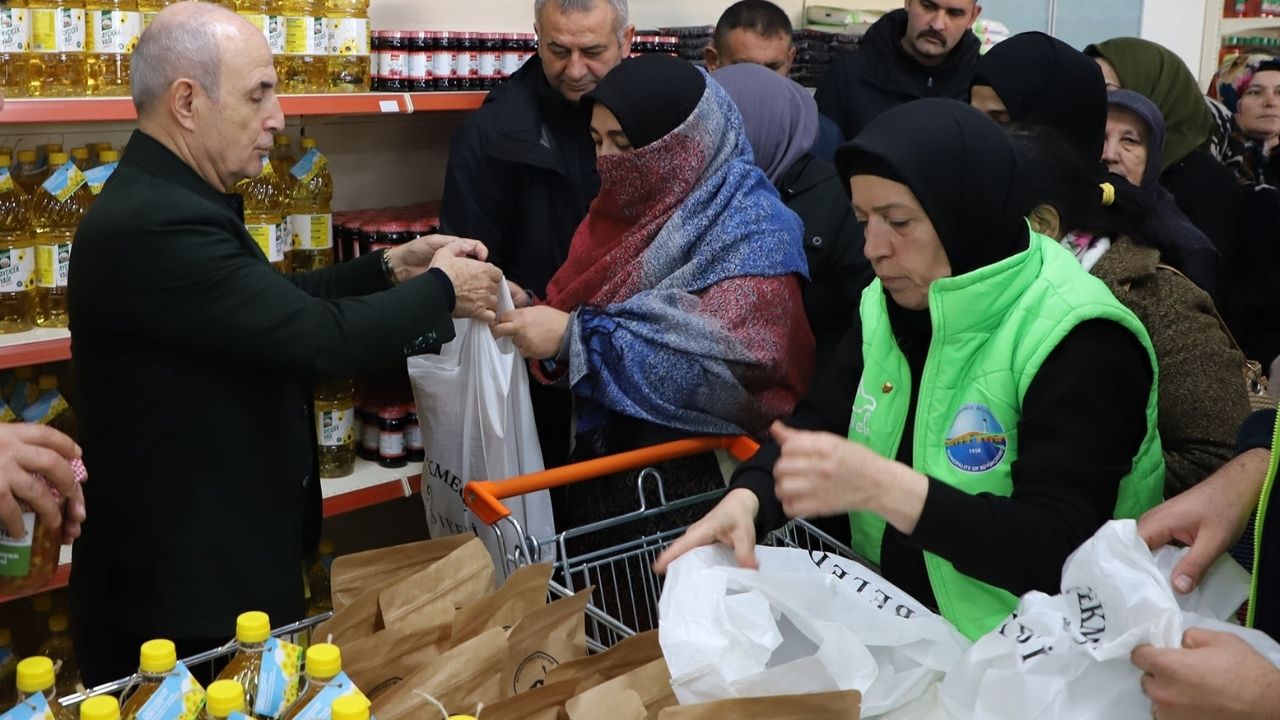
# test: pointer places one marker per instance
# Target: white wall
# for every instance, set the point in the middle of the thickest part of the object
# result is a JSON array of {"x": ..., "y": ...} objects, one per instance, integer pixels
[{"x": 1179, "y": 25}]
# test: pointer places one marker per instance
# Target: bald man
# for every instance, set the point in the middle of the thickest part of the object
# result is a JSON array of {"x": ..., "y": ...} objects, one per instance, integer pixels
[{"x": 195, "y": 359}]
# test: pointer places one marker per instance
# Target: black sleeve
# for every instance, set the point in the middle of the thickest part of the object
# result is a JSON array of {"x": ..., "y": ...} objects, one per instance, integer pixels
[
  {"x": 1084, "y": 418},
  {"x": 827, "y": 407},
  {"x": 360, "y": 276},
  {"x": 476, "y": 196},
  {"x": 833, "y": 94},
  {"x": 1257, "y": 431}
]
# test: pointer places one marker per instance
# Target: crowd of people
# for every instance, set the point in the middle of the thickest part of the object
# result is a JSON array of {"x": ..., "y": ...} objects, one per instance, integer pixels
[{"x": 973, "y": 306}]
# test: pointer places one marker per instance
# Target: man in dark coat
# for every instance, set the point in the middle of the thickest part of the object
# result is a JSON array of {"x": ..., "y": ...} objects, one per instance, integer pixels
[
  {"x": 194, "y": 358},
  {"x": 925, "y": 50},
  {"x": 522, "y": 168}
]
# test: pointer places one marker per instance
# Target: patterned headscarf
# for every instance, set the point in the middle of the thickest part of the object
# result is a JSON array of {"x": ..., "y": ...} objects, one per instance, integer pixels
[{"x": 1236, "y": 73}]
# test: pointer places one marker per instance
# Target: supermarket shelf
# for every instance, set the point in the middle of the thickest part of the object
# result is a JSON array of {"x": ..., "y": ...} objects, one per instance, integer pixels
[
  {"x": 60, "y": 578},
  {"x": 70, "y": 110},
  {"x": 1236, "y": 26},
  {"x": 369, "y": 485},
  {"x": 41, "y": 345}
]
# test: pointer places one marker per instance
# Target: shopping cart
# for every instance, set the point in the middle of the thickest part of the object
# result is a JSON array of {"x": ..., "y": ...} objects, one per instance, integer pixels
[
  {"x": 627, "y": 589},
  {"x": 297, "y": 633}
]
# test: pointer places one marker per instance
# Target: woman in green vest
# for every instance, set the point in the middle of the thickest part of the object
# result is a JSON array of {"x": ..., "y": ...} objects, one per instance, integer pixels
[{"x": 993, "y": 404}]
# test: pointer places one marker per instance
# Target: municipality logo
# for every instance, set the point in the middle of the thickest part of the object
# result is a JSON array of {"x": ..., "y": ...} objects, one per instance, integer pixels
[{"x": 976, "y": 441}]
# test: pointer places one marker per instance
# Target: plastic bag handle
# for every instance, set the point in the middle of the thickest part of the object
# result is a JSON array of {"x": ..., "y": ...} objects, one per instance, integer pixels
[{"x": 484, "y": 497}]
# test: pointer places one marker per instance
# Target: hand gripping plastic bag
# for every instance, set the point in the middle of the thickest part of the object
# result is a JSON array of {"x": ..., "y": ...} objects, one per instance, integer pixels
[
  {"x": 477, "y": 424},
  {"x": 803, "y": 623},
  {"x": 1067, "y": 655}
]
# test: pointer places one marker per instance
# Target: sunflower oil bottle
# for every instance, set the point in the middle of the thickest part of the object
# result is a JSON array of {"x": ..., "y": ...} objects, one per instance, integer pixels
[
  {"x": 283, "y": 159},
  {"x": 15, "y": 48},
  {"x": 350, "y": 707},
  {"x": 335, "y": 428},
  {"x": 156, "y": 659},
  {"x": 264, "y": 204},
  {"x": 28, "y": 173},
  {"x": 310, "y": 216},
  {"x": 58, "y": 41},
  {"x": 324, "y": 664},
  {"x": 98, "y": 175},
  {"x": 347, "y": 25},
  {"x": 303, "y": 68},
  {"x": 100, "y": 707},
  {"x": 17, "y": 253},
  {"x": 148, "y": 9},
  {"x": 56, "y": 210},
  {"x": 80, "y": 156},
  {"x": 113, "y": 32},
  {"x": 57, "y": 647},
  {"x": 225, "y": 699},
  {"x": 258, "y": 13},
  {"x": 252, "y": 630},
  {"x": 36, "y": 682}
]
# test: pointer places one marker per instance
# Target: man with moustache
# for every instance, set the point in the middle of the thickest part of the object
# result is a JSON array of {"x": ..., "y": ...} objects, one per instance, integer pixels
[{"x": 924, "y": 50}]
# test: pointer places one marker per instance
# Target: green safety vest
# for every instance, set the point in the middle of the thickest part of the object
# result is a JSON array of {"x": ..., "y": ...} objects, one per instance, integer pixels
[{"x": 992, "y": 330}]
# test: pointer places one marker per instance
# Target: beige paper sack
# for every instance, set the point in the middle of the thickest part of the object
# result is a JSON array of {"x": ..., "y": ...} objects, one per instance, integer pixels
[
  {"x": 522, "y": 593},
  {"x": 459, "y": 680},
  {"x": 384, "y": 659},
  {"x": 544, "y": 639},
  {"x": 843, "y": 705},
  {"x": 455, "y": 580},
  {"x": 588, "y": 672},
  {"x": 651, "y": 682},
  {"x": 353, "y": 575}
]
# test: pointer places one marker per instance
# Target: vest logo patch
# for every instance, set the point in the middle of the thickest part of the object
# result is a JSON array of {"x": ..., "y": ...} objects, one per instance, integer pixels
[{"x": 976, "y": 441}]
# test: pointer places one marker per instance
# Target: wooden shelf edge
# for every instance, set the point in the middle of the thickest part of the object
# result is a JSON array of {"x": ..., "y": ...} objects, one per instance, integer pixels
[{"x": 35, "y": 353}]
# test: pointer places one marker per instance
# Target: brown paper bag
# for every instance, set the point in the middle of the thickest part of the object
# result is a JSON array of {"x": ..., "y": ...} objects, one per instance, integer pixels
[
  {"x": 522, "y": 593},
  {"x": 459, "y": 680},
  {"x": 624, "y": 657},
  {"x": 544, "y": 703},
  {"x": 457, "y": 579},
  {"x": 546, "y": 637},
  {"x": 652, "y": 682},
  {"x": 619, "y": 705},
  {"x": 380, "y": 661},
  {"x": 357, "y": 620},
  {"x": 353, "y": 575},
  {"x": 846, "y": 705}
]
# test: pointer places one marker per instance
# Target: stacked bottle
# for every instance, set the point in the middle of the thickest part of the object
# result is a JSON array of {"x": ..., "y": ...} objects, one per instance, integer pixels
[
  {"x": 36, "y": 680},
  {"x": 17, "y": 292},
  {"x": 310, "y": 215},
  {"x": 264, "y": 202},
  {"x": 57, "y": 65},
  {"x": 335, "y": 428},
  {"x": 57, "y": 647},
  {"x": 56, "y": 210},
  {"x": 114, "y": 27},
  {"x": 15, "y": 48},
  {"x": 347, "y": 30},
  {"x": 304, "y": 66}
]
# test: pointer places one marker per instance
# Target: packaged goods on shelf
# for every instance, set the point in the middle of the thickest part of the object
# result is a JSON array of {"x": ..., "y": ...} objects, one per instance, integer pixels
[{"x": 444, "y": 60}]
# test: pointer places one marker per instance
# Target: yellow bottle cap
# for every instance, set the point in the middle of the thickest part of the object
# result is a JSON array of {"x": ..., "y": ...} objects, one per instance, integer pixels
[
  {"x": 223, "y": 698},
  {"x": 109, "y": 156},
  {"x": 26, "y": 156},
  {"x": 308, "y": 142},
  {"x": 283, "y": 140},
  {"x": 6, "y": 637},
  {"x": 57, "y": 159},
  {"x": 253, "y": 627},
  {"x": 57, "y": 623},
  {"x": 350, "y": 707},
  {"x": 100, "y": 707},
  {"x": 35, "y": 674},
  {"x": 157, "y": 656},
  {"x": 324, "y": 660},
  {"x": 326, "y": 547},
  {"x": 99, "y": 146},
  {"x": 80, "y": 153},
  {"x": 48, "y": 382}
]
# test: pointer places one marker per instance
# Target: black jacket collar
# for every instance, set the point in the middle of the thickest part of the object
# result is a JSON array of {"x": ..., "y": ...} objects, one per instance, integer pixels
[
  {"x": 528, "y": 118},
  {"x": 892, "y": 66},
  {"x": 151, "y": 156}
]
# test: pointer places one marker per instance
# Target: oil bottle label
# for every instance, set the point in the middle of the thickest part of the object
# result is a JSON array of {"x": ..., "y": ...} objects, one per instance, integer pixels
[
  {"x": 265, "y": 236},
  {"x": 64, "y": 181},
  {"x": 52, "y": 262},
  {"x": 15, "y": 30},
  {"x": 34, "y": 707},
  {"x": 275, "y": 31},
  {"x": 15, "y": 554},
  {"x": 311, "y": 163},
  {"x": 147, "y": 17},
  {"x": 348, "y": 36},
  {"x": 305, "y": 35},
  {"x": 45, "y": 409},
  {"x": 311, "y": 232},
  {"x": 17, "y": 266},
  {"x": 322, "y": 704},
  {"x": 6, "y": 181},
  {"x": 278, "y": 678},
  {"x": 336, "y": 428},
  {"x": 179, "y": 697},
  {"x": 57, "y": 30},
  {"x": 258, "y": 20},
  {"x": 97, "y": 176},
  {"x": 113, "y": 31}
]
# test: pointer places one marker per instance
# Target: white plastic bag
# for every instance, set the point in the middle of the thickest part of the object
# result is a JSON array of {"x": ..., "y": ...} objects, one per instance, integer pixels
[
  {"x": 477, "y": 424},
  {"x": 802, "y": 623},
  {"x": 1067, "y": 656}
]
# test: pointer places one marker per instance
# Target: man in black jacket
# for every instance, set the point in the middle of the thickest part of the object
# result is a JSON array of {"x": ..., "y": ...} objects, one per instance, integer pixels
[
  {"x": 194, "y": 358},
  {"x": 522, "y": 168},
  {"x": 925, "y": 50}
]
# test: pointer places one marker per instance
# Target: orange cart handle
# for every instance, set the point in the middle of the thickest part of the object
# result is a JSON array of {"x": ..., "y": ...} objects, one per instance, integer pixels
[{"x": 485, "y": 497}]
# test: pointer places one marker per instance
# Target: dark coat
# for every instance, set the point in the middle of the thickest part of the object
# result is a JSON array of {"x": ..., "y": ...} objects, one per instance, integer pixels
[
  {"x": 194, "y": 361},
  {"x": 880, "y": 75},
  {"x": 1202, "y": 398},
  {"x": 521, "y": 174},
  {"x": 838, "y": 271}
]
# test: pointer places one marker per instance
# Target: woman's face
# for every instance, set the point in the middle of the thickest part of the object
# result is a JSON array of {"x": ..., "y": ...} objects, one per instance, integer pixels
[
  {"x": 1109, "y": 75},
  {"x": 901, "y": 243},
  {"x": 985, "y": 99},
  {"x": 1258, "y": 111},
  {"x": 607, "y": 132},
  {"x": 1125, "y": 152}
]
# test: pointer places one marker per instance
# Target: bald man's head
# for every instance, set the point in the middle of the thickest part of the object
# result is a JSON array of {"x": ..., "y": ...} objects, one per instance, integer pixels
[{"x": 186, "y": 40}]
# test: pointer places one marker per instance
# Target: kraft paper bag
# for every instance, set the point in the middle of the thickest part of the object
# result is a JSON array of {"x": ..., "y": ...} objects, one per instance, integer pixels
[
  {"x": 352, "y": 575},
  {"x": 842, "y": 705},
  {"x": 590, "y": 671},
  {"x": 462, "y": 576},
  {"x": 522, "y": 593},
  {"x": 545, "y": 638},
  {"x": 651, "y": 683},
  {"x": 460, "y": 680}
]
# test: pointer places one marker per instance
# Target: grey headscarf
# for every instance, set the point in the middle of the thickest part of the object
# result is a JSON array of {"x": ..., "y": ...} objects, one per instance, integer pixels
[{"x": 780, "y": 116}]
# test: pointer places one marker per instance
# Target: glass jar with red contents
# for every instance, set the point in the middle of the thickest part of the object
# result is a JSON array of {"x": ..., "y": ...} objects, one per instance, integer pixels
[
  {"x": 395, "y": 73},
  {"x": 413, "y": 447},
  {"x": 469, "y": 61},
  {"x": 489, "y": 67},
  {"x": 528, "y": 46},
  {"x": 418, "y": 67},
  {"x": 425, "y": 226},
  {"x": 367, "y": 448},
  {"x": 669, "y": 44},
  {"x": 444, "y": 61},
  {"x": 376, "y": 51},
  {"x": 391, "y": 446},
  {"x": 512, "y": 55}
]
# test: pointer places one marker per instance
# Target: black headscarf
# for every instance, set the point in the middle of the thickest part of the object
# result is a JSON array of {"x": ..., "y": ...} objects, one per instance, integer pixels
[
  {"x": 650, "y": 95},
  {"x": 1044, "y": 81},
  {"x": 960, "y": 165}
]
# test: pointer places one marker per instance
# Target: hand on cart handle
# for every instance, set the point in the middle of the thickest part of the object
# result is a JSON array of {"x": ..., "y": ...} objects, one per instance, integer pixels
[
  {"x": 26, "y": 452},
  {"x": 731, "y": 522}
]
